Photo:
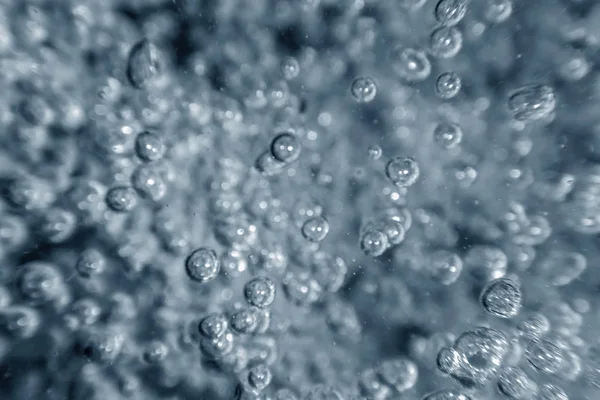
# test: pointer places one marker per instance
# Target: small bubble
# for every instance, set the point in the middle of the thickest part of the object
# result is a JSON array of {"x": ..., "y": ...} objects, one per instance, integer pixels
[
  {"x": 502, "y": 298},
  {"x": 363, "y": 89},
  {"x": 260, "y": 292},
  {"x": 315, "y": 229},
  {"x": 374, "y": 242},
  {"x": 148, "y": 181},
  {"x": 259, "y": 377},
  {"x": 515, "y": 384},
  {"x": 144, "y": 64},
  {"x": 402, "y": 374},
  {"x": 548, "y": 391},
  {"x": 532, "y": 102},
  {"x": 445, "y": 42},
  {"x": 213, "y": 326},
  {"x": 155, "y": 352},
  {"x": 290, "y": 68},
  {"x": 286, "y": 148},
  {"x": 202, "y": 265},
  {"x": 447, "y": 135},
  {"x": 448, "y": 85},
  {"x": 545, "y": 356},
  {"x": 402, "y": 171},
  {"x": 497, "y": 11},
  {"x": 91, "y": 262},
  {"x": 446, "y": 394},
  {"x": 374, "y": 152},
  {"x": 534, "y": 326},
  {"x": 149, "y": 147},
  {"x": 445, "y": 267},
  {"x": 410, "y": 64},
  {"x": 450, "y": 12},
  {"x": 121, "y": 198},
  {"x": 244, "y": 321}
]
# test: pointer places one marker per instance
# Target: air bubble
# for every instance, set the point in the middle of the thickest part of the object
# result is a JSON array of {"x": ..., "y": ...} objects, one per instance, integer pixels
[
  {"x": 144, "y": 65},
  {"x": 448, "y": 85},
  {"x": 315, "y": 229},
  {"x": 363, "y": 89},
  {"x": 260, "y": 292},
  {"x": 402, "y": 171},
  {"x": 450, "y": 12},
  {"x": 202, "y": 265},
  {"x": 447, "y": 135},
  {"x": 502, "y": 298},
  {"x": 149, "y": 147},
  {"x": 410, "y": 64},
  {"x": 532, "y": 102},
  {"x": 445, "y": 42},
  {"x": 286, "y": 148},
  {"x": 121, "y": 198}
]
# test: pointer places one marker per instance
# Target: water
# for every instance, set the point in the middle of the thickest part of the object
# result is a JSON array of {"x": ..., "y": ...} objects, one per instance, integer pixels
[{"x": 299, "y": 200}]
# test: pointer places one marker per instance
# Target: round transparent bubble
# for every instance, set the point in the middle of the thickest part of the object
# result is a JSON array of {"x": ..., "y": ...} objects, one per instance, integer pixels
[
  {"x": 87, "y": 311},
  {"x": 91, "y": 262},
  {"x": 410, "y": 64},
  {"x": 290, "y": 68},
  {"x": 155, "y": 352},
  {"x": 549, "y": 391},
  {"x": 213, "y": 326},
  {"x": 267, "y": 165},
  {"x": 244, "y": 321},
  {"x": 497, "y": 11},
  {"x": 484, "y": 349},
  {"x": 363, "y": 89},
  {"x": 374, "y": 152},
  {"x": 342, "y": 319},
  {"x": 329, "y": 271},
  {"x": 260, "y": 292},
  {"x": 447, "y": 135},
  {"x": 144, "y": 65},
  {"x": 534, "y": 326},
  {"x": 444, "y": 267},
  {"x": 233, "y": 264},
  {"x": 401, "y": 374},
  {"x": 445, "y": 42},
  {"x": 446, "y": 394},
  {"x": 560, "y": 268},
  {"x": 502, "y": 298},
  {"x": 149, "y": 147},
  {"x": 393, "y": 229},
  {"x": 450, "y": 12},
  {"x": 286, "y": 147},
  {"x": 374, "y": 242},
  {"x": 41, "y": 283},
  {"x": 371, "y": 386},
  {"x": 259, "y": 377},
  {"x": 19, "y": 322},
  {"x": 513, "y": 383},
  {"x": 450, "y": 361},
  {"x": 545, "y": 356},
  {"x": 315, "y": 229},
  {"x": 532, "y": 102},
  {"x": 301, "y": 289},
  {"x": 217, "y": 348},
  {"x": 149, "y": 182},
  {"x": 402, "y": 171},
  {"x": 448, "y": 85},
  {"x": 121, "y": 198},
  {"x": 486, "y": 262},
  {"x": 57, "y": 225},
  {"x": 202, "y": 265}
]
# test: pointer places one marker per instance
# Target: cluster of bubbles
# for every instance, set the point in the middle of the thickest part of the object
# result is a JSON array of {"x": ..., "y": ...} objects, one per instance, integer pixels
[{"x": 299, "y": 200}]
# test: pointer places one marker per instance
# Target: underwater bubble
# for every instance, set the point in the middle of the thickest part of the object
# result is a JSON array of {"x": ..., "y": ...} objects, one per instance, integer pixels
[
  {"x": 315, "y": 229},
  {"x": 121, "y": 198},
  {"x": 402, "y": 171},
  {"x": 450, "y": 12},
  {"x": 448, "y": 85},
  {"x": 444, "y": 267},
  {"x": 149, "y": 147},
  {"x": 259, "y": 292},
  {"x": 410, "y": 64},
  {"x": 363, "y": 89},
  {"x": 286, "y": 147},
  {"x": 532, "y": 102},
  {"x": 202, "y": 265},
  {"x": 145, "y": 64},
  {"x": 445, "y": 42},
  {"x": 502, "y": 298},
  {"x": 545, "y": 356},
  {"x": 374, "y": 242},
  {"x": 213, "y": 326}
]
